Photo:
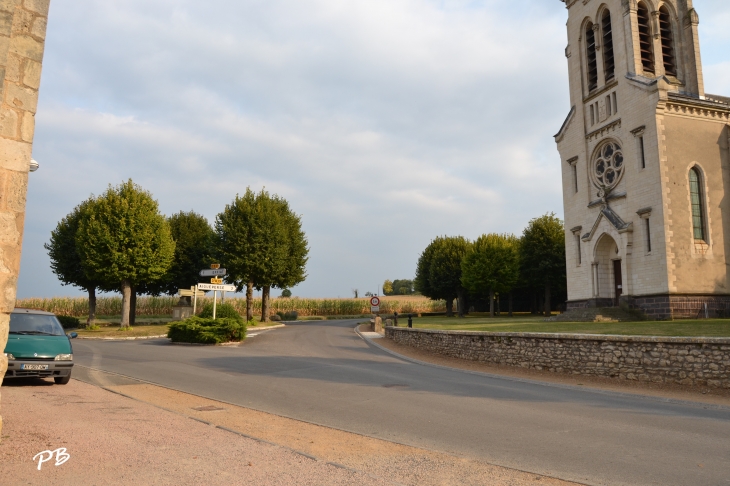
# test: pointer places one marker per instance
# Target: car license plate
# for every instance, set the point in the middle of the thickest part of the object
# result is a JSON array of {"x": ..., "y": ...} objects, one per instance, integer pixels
[{"x": 33, "y": 367}]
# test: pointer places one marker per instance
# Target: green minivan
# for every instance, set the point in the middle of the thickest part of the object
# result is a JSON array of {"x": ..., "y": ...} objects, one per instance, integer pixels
[{"x": 38, "y": 347}]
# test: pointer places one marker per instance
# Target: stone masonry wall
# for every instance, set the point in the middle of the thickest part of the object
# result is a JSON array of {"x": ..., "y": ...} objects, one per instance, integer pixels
[
  {"x": 685, "y": 361},
  {"x": 22, "y": 42}
]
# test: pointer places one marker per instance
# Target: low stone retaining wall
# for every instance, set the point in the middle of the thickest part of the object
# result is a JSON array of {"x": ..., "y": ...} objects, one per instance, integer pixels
[{"x": 686, "y": 361}]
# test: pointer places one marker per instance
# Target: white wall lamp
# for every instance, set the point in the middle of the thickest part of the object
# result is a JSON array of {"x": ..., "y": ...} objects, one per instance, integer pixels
[{"x": 33, "y": 165}]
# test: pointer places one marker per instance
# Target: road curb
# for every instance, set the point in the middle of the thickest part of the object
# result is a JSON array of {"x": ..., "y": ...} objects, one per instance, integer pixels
[{"x": 121, "y": 338}]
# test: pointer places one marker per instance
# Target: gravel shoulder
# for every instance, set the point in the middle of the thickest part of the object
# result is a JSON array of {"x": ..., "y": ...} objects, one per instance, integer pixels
[
  {"x": 112, "y": 439},
  {"x": 133, "y": 432},
  {"x": 674, "y": 392}
]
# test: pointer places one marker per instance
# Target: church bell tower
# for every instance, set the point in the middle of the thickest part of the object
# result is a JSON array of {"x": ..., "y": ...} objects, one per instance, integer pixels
[{"x": 645, "y": 157}]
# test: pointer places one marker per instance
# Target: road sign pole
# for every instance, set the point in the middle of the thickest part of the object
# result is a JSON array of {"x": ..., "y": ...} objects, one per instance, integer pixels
[
  {"x": 215, "y": 293},
  {"x": 194, "y": 288}
]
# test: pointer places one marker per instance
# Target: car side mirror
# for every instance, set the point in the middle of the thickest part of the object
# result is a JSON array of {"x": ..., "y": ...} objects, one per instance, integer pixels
[{"x": 73, "y": 335}]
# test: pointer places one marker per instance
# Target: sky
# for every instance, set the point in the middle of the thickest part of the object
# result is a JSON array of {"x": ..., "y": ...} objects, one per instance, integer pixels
[{"x": 384, "y": 123}]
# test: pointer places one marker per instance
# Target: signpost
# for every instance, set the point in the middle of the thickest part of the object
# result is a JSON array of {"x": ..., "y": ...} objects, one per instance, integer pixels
[
  {"x": 216, "y": 283},
  {"x": 374, "y": 304}
]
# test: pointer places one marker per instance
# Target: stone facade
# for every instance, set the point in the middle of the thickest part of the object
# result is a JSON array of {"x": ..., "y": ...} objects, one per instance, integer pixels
[
  {"x": 684, "y": 361},
  {"x": 22, "y": 42},
  {"x": 639, "y": 125}
]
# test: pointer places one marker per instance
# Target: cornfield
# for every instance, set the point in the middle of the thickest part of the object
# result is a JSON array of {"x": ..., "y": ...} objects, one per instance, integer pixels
[{"x": 149, "y": 306}]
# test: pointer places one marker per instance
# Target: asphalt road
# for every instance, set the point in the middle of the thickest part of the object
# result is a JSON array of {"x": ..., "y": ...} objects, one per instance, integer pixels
[{"x": 323, "y": 372}]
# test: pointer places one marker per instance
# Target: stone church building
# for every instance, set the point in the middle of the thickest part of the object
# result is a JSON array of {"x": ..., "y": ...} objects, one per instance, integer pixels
[{"x": 645, "y": 156}]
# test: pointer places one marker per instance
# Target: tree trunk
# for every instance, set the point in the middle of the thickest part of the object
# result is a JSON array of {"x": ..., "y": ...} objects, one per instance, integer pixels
[
  {"x": 510, "y": 304},
  {"x": 534, "y": 306},
  {"x": 265, "y": 296},
  {"x": 249, "y": 301},
  {"x": 126, "y": 298},
  {"x": 460, "y": 303},
  {"x": 92, "y": 307},
  {"x": 449, "y": 307},
  {"x": 548, "y": 313},
  {"x": 133, "y": 307},
  {"x": 499, "y": 305},
  {"x": 491, "y": 303}
]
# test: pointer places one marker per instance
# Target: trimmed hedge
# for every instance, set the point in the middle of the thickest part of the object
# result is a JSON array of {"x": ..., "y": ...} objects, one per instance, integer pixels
[
  {"x": 288, "y": 316},
  {"x": 68, "y": 322},
  {"x": 207, "y": 331},
  {"x": 222, "y": 311}
]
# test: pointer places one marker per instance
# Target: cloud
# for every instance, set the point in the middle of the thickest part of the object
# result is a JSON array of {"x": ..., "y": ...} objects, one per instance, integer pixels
[{"x": 384, "y": 123}]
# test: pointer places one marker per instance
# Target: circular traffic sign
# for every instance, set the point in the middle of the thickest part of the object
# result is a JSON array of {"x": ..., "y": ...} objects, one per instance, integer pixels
[{"x": 374, "y": 301}]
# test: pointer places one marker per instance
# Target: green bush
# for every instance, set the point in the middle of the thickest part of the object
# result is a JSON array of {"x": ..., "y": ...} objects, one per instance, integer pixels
[
  {"x": 207, "y": 331},
  {"x": 288, "y": 316},
  {"x": 68, "y": 322},
  {"x": 222, "y": 311}
]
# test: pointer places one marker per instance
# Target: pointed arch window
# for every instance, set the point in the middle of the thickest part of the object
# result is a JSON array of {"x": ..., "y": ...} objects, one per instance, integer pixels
[
  {"x": 645, "y": 42},
  {"x": 609, "y": 63},
  {"x": 696, "y": 198},
  {"x": 665, "y": 29},
  {"x": 591, "y": 55}
]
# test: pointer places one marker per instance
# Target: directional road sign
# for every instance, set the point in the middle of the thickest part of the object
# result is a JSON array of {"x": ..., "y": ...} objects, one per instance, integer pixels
[
  {"x": 224, "y": 288},
  {"x": 189, "y": 293},
  {"x": 213, "y": 272},
  {"x": 216, "y": 280}
]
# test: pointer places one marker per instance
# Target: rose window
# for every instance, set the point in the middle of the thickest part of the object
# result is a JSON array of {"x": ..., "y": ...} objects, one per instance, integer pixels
[{"x": 608, "y": 166}]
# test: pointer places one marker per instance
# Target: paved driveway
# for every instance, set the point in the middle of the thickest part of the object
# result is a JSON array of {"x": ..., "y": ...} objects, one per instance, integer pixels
[{"x": 322, "y": 372}]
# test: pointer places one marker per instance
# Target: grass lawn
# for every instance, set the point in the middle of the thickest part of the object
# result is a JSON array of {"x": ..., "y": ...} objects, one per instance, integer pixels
[
  {"x": 113, "y": 331},
  {"x": 527, "y": 323}
]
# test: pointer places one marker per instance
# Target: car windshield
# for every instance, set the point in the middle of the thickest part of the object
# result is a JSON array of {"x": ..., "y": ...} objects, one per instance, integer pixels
[{"x": 35, "y": 324}]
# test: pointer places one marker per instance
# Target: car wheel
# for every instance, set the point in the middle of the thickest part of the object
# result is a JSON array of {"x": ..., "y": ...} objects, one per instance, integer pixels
[{"x": 62, "y": 380}]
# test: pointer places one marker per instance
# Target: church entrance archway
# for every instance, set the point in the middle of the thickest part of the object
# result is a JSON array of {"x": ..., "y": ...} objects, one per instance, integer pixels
[{"x": 607, "y": 274}]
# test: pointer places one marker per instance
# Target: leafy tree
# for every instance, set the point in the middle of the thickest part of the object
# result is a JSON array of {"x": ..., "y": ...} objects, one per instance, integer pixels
[
  {"x": 66, "y": 262},
  {"x": 240, "y": 232},
  {"x": 492, "y": 265},
  {"x": 262, "y": 244},
  {"x": 542, "y": 255},
  {"x": 124, "y": 240},
  {"x": 387, "y": 287},
  {"x": 286, "y": 293},
  {"x": 402, "y": 287},
  {"x": 193, "y": 240},
  {"x": 292, "y": 248},
  {"x": 438, "y": 273}
]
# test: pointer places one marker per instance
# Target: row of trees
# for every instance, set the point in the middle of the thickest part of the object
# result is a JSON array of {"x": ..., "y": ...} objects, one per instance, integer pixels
[
  {"x": 119, "y": 241},
  {"x": 455, "y": 268},
  {"x": 398, "y": 287}
]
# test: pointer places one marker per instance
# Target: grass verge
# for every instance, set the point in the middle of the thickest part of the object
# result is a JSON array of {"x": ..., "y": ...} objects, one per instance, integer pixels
[
  {"x": 683, "y": 328},
  {"x": 114, "y": 332}
]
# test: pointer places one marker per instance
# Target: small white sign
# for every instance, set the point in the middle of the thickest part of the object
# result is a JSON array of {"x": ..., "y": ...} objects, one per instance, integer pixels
[
  {"x": 374, "y": 308},
  {"x": 224, "y": 288}
]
